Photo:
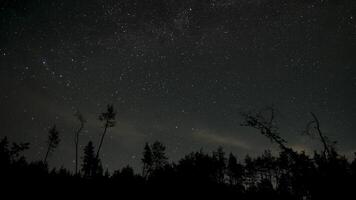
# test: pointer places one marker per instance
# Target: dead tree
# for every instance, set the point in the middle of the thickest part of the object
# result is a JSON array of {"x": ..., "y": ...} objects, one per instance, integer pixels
[
  {"x": 264, "y": 122},
  {"x": 82, "y": 121},
  {"x": 315, "y": 124}
]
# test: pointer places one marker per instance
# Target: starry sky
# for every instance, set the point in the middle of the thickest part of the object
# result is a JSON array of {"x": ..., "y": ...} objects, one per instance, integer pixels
[{"x": 180, "y": 72}]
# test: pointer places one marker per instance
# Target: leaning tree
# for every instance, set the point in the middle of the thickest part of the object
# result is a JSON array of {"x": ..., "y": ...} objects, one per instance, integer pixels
[
  {"x": 52, "y": 141},
  {"x": 108, "y": 118}
]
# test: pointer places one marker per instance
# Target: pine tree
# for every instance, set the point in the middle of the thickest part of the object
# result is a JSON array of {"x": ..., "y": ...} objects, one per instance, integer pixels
[
  {"x": 91, "y": 165},
  {"x": 154, "y": 158},
  {"x": 159, "y": 158}
]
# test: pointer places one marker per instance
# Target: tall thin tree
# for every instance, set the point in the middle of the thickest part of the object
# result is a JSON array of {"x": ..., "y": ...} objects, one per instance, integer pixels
[
  {"x": 82, "y": 121},
  {"x": 108, "y": 118},
  {"x": 147, "y": 161},
  {"x": 52, "y": 141},
  {"x": 324, "y": 140}
]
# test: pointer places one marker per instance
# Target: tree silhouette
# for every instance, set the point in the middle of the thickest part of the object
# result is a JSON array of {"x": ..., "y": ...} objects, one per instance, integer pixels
[
  {"x": 91, "y": 166},
  {"x": 154, "y": 159},
  {"x": 81, "y": 119},
  {"x": 234, "y": 171},
  {"x": 264, "y": 122},
  {"x": 5, "y": 156},
  {"x": 288, "y": 175},
  {"x": 108, "y": 118},
  {"x": 159, "y": 158},
  {"x": 147, "y": 161},
  {"x": 266, "y": 166},
  {"x": 52, "y": 141},
  {"x": 125, "y": 175},
  {"x": 220, "y": 164},
  {"x": 315, "y": 124},
  {"x": 250, "y": 172},
  {"x": 16, "y": 149}
]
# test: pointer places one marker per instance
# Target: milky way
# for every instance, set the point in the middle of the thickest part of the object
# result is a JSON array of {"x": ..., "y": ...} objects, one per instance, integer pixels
[{"x": 180, "y": 72}]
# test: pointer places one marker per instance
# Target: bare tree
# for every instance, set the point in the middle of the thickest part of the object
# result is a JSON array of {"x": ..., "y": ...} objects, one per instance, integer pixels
[
  {"x": 264, "y": 122},
  {"x": 82, "y": 121},
  {"x": 315, "y": 125},
  {"x": 108, "y": 118},
  {"x": 53, "y": 141}
]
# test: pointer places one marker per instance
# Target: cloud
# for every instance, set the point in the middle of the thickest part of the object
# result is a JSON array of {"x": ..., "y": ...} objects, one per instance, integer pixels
[{"x": 211, "y": 136}]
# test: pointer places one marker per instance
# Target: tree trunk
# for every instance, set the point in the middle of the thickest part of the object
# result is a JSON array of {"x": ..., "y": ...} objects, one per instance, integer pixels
[
  {"x": 101, "y": 140},
  {"x": 48, "y": 149},
  {"x": 76, "y": 141},
  {"x": 322, "y": 138}
]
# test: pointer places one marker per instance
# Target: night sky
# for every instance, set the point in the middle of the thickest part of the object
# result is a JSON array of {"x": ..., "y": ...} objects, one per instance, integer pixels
[{"x": 180, "y": 72}]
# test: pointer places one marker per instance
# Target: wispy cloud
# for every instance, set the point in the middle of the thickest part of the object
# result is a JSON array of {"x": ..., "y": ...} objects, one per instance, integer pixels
[{"x": 211, "y": 136}]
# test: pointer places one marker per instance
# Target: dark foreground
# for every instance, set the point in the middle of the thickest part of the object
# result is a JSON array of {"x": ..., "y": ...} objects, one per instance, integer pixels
[{"x": 290, "y": 175}]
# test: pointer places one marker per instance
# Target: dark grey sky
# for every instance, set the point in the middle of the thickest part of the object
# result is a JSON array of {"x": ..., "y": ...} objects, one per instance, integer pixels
[{"x": 177, "y": 71}]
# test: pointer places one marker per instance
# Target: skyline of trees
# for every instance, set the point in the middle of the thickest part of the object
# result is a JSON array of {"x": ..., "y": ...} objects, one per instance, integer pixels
[{"x": 288, "y": 175}]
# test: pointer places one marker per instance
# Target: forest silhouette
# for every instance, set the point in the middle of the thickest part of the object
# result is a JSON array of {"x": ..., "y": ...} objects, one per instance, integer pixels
[{"x": 289, "y": 174}]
